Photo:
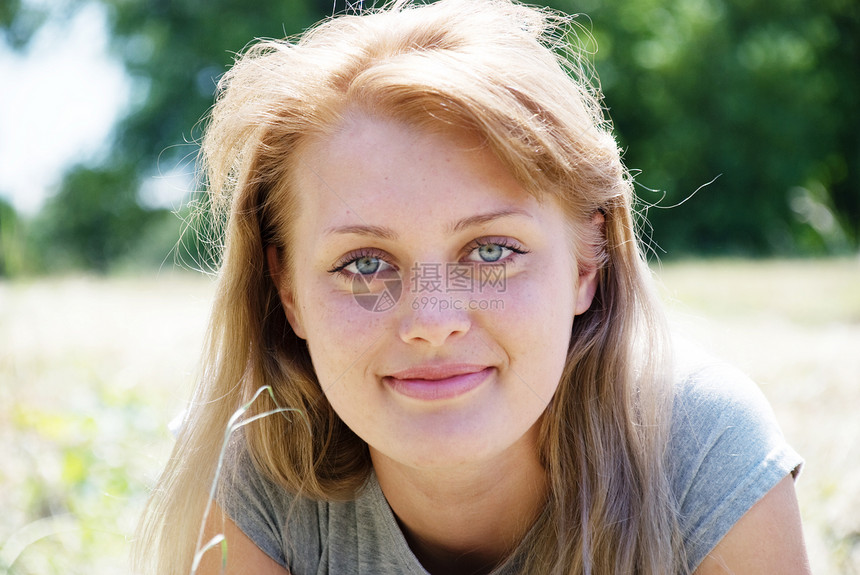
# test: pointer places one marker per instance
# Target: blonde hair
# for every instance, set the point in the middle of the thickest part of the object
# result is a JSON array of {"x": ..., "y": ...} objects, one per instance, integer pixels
[{"x": 502, "y": 70}]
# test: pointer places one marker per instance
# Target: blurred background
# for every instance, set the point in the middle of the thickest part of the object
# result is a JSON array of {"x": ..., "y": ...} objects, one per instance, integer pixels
[{"x": 738, "y": 118}]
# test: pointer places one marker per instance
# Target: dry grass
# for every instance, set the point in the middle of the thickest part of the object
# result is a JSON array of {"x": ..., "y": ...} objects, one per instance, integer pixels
[{"x": 91, "y": 370}]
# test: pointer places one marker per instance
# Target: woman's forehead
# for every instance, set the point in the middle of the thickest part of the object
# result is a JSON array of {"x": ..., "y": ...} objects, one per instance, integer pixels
[{"x": 381, "y": 166}]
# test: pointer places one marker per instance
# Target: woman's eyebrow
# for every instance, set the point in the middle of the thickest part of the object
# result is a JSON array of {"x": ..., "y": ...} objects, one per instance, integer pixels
[
  {"x": 389, "y": 234},
  {"x": 488, "y": 217},
  {"x": 364, "y": 230}
]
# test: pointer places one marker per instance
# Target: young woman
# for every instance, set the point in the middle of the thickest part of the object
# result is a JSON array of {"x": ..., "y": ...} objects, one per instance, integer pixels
[{"x": 430, "y": 260}]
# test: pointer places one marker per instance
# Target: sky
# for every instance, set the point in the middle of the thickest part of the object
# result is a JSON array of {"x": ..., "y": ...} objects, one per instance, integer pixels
[{"x": 58, "y": 103}]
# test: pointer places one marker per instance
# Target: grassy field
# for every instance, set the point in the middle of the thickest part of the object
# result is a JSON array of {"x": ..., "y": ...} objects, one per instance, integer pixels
[{"x": 91, "y": 371}]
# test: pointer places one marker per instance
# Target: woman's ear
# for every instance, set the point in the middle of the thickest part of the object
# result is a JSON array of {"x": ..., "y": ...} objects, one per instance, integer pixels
[
  {"x": 588, "y": 277},
  {"x": 290, "y": 309},
  {"x": 585, "y": 291}
]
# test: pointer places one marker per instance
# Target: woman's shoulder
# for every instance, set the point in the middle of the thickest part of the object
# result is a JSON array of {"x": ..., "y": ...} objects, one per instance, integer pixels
[
  {"x": 261, "y": 508},
  {"x": 708, "y": 389},
  {"x": 721, "y": 418},
  {"x": 726, "y": 449},
  {"x": 307, "y": 535}
]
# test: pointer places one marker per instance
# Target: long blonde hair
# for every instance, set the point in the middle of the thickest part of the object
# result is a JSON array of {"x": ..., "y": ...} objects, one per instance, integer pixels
[{"x": 508, "y": 72}]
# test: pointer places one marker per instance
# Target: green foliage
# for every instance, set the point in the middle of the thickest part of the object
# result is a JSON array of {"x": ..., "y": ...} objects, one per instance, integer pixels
[
  {"x": 176, "y": 51},
  {"x": 12, "y": 257},
  {"x": 18, "y": 23},
  {"x": 759, "y": 95},
  {"x": 93, "y": 221}
]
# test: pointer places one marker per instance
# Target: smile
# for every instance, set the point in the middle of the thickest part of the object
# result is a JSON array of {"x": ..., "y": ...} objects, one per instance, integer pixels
[{"x": 438, "y": 382}]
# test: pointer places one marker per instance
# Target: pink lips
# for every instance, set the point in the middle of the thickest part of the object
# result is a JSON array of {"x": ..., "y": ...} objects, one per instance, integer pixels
[{"x": 438, "y": 381}]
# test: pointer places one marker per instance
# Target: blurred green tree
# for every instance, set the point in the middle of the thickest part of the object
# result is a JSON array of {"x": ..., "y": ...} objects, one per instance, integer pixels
[
  {"x": 13, "y": 260},
  {"x": 19, "y": 22},
  {"x": 174, "y": 52},
  {"x": 93, "y": 220},
  {"x": 757, "y": 94}
]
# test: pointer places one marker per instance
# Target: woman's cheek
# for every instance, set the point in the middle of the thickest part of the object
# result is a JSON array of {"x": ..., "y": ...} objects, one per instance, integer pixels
[
  {"x": 338, "y": 328},
  {"x": 538, "y": 319},
  {"x": 342, "y": 318},
  {"x": 519, "y": 300},
  {"x": 537, "y": 309}
]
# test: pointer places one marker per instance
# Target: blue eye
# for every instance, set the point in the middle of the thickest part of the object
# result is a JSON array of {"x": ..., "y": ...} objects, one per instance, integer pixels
[
  {"x": 362, "y": 262},
  {"x": 366, "y": 265},
  {"x": 490, "y": 251}
]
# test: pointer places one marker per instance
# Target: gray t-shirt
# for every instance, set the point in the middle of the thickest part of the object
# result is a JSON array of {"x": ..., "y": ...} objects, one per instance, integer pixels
[{"x": 726, "y": 452}]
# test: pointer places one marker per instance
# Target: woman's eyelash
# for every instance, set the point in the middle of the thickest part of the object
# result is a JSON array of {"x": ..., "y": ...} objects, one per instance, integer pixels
[
  {"x": 352, "y": 257},
  {"x": 501, "y": 242}
]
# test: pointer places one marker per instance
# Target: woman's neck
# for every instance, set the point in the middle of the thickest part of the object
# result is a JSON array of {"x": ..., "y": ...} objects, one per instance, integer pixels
[{"x": 466, "y": 519}]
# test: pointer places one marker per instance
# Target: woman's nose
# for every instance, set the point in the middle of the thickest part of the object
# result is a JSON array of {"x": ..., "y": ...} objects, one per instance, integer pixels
[{"x": 434, "y": 319}]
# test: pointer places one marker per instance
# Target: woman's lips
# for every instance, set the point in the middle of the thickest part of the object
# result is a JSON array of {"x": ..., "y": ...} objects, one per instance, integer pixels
[{"x": 438, "y": 382}]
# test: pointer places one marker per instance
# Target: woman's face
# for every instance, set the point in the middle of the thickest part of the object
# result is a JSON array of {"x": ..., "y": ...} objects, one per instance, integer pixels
[{"x": 435, "y": 294}]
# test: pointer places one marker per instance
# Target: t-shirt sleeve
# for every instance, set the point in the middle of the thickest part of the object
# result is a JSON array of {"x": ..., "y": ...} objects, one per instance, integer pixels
[
  {"x": 726, "y": 453},
  {"x": 265, "y": 511}
]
